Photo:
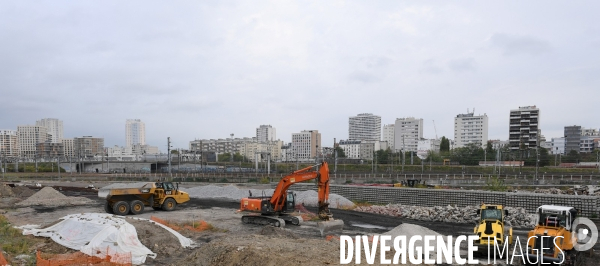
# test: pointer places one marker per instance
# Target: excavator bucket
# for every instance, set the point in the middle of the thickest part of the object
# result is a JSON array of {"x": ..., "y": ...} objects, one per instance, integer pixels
[{"x": 326, "y": 227}]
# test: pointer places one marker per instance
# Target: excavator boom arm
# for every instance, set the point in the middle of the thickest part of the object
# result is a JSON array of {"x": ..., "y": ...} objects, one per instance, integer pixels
[{"x": 280, "y": 193}]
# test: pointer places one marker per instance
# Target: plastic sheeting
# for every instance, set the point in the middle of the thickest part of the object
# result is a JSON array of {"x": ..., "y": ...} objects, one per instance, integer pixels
[{"x": 91, "y": 232}]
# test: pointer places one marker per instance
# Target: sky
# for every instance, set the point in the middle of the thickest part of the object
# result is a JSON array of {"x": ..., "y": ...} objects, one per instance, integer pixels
[{"x": 207, "y": 69}]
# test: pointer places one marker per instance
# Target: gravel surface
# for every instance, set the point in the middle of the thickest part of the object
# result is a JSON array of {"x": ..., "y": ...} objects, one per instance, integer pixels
[
  {"x": 51, "y": 198},
  {"x": 308, "y": 198}
]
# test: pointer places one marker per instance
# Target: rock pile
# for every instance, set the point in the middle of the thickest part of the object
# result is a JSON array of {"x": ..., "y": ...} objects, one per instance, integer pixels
[
  {"x": 577, "y": 190},
  {"x": 308, "y": 198},
  {"x": 48, "y": 197},
  {"x": 6, "y": 191},
  {"x": 518, "y": 217}
]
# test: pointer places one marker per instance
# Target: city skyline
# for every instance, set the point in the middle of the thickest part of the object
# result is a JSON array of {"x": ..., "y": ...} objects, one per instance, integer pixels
[{"x": 207, "y": 70}]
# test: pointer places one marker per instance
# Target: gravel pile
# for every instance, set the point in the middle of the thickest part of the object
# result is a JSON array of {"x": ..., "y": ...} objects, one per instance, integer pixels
[
  {"x": 48, "y": 197},
  {"x": 308, "y": 198},
  {"x": 518, "y": 217},
  {"x": 23, "y": 191},
  {"x": 6, "y": 191}
]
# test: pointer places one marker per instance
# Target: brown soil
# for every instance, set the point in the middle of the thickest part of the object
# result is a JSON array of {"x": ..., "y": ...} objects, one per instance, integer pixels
[
  {"x": 260, "y": 250},
  {"x": 159, "y": 240}
]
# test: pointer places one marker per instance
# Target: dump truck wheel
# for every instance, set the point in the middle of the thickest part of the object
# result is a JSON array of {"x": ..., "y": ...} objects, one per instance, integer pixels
[
  {"x": 107, "y": 208},
  {"x": 121, "y": 208},
  {"x": 137, "y": 207},
  {"x": 169, "y": 204}
]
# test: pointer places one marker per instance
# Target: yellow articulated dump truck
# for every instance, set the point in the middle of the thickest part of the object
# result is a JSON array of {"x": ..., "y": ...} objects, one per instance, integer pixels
[{"x": 135, "y": 197}]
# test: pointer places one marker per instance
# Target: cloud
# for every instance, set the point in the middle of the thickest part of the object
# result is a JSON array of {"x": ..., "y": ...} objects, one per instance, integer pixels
[
  {"x": 462, "y": 65},
  {"x": 430, "y": 67},
  {"x": 363, "y": 76},
  {"x": 519, "y": 44}
]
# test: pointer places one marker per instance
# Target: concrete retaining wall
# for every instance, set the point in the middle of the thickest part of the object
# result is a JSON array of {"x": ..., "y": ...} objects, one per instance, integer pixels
[{"x": 587, "y": 205}]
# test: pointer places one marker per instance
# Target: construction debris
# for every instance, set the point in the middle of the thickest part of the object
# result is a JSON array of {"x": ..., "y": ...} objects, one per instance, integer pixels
[
  {"x": 308, "y": 198},
  {"x": 6, "y": 191},
  {"x": 518, "y": 217},
  {"x": 48, "y": 197}
]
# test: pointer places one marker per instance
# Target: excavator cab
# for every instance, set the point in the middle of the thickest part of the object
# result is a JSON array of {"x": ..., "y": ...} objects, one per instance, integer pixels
[{"x": 290, "y": 202}]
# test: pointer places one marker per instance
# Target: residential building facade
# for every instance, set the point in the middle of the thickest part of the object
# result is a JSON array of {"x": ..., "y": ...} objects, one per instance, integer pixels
[
  {"x": 88, "y": 147},
  {"x": 469, "y": 128},
  {"x": 266, "y": 133},
  {"x": 351, "y": 148},
  {"x": 572, "y": 138},
  {"x": 306, "y": 144},
  {"x": 262, "y": 150},
  {"x": 9, "y": 143},
  {"x": 49, "y": 150},
  {"x": 426, "y": 146},
  {"x": 28, "y": 138},
  {"x": 68, "y": 147},
  {"x": 135, "y": 132},
  {"x": 219, "y": 146},
  {"x": 524, "y": 128},
  {"x": 54, "y": 128},
  {"x": 558, "y": 146},
  {"x": 364, "y": 127},
  {"x": 407, "y": 133},
  {"x": 388, "y": 135}
]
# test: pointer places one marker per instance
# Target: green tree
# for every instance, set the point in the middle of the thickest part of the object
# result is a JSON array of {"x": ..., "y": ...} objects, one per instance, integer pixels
[
  {"x": 444, "y": 144},
  {"x": 490, "y": 151},
  {"x": 340, "y": 152},
  {"x": 471, "y": 154}
]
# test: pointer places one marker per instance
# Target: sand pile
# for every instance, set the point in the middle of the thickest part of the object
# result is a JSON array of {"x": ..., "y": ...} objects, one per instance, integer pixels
[
  {"x": 308, "y": 198},
  {"x": 48, "y": 197},
  {"x": 6, "y": 191}
]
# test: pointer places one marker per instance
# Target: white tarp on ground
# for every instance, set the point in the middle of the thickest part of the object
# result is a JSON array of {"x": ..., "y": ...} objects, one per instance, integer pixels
[{"x": 93, "y": 232}]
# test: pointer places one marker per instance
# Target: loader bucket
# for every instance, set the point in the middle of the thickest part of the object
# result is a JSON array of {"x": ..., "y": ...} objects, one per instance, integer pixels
[{"x": 326, "y": 227}]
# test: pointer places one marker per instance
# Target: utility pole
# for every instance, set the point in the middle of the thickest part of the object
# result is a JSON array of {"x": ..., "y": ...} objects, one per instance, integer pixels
[
  {"x": 58, "y": 165},
  {"x": 537, "y": 154},
  {"x": 403, "y": 154},
  {"x": 169, "y": 155},
  {"x": 231, "y": 152}
]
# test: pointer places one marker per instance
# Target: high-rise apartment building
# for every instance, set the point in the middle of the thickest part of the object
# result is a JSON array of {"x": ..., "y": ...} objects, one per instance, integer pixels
[
  {"x": 469, "y": 128},
  {"x": 589, "y": 132},
  {"x": 135, "y": 132},
  {"x": 265, "y": 133},
  {"x": 388, "y": 135},
  {"x": 558, "y": 146},
  {"x": 29, "y": 137},
  {"x": 407, "y": 133},
  {"x": 68, "y": 147},
  {"x": 306, "y": 145},
  {"x": 88, "y": 147},
  {"x": 9, "y": 143},
  {"x": 524, "y": 128},
  {"x": 364, "y": 127},
  {"x": 572, "y": 138},
  {"x": 54, "y": 127}
]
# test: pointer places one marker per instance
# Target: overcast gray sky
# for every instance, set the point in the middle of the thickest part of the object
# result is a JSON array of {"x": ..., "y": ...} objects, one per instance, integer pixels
[{"x": 205, "y": 69}]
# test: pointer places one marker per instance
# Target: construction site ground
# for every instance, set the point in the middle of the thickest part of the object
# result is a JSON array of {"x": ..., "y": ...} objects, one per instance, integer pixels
[{"x": 229, "y": 242}]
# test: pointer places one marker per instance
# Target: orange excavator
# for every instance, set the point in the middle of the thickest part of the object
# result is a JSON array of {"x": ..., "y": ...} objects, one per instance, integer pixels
[{"x": 276, "y": 210}]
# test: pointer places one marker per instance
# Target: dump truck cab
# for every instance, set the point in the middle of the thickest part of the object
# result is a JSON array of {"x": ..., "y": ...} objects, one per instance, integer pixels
[
  {"x": 491, "y": 226},
  {"x": 158, "y": 195},
  {"x": 552, "y": 239}
]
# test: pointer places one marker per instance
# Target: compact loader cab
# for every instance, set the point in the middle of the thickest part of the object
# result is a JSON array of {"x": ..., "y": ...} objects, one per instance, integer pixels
[
  {"x": 491, "y": 225},
  {"x": 552, "y": 240},
  {"x": 159, "y": 195}
]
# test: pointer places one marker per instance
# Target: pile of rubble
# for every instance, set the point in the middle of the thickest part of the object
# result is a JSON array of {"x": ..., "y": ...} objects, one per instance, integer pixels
[
  {"x": 6, "y": 191},
  {"x": 308, "y": 198},
  {"x": 48, "y": 197},
  {"x": 518, "y": 217},
  {"x": 576, "y": 190}
]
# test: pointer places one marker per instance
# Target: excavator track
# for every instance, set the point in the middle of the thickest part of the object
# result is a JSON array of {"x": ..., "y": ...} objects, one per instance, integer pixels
[{"x": 263, "y": 220}]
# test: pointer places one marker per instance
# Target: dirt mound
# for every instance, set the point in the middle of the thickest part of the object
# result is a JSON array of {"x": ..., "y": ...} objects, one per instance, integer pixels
[
  {"x": 157, "y": 239},
  {"x": 23, "y": 192},
  {"x": 51, "y": 198},
  {"x": 6, "y": 191},
  {"x": 277, "y": 232},
  {"x": 259, "y": 250}
]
